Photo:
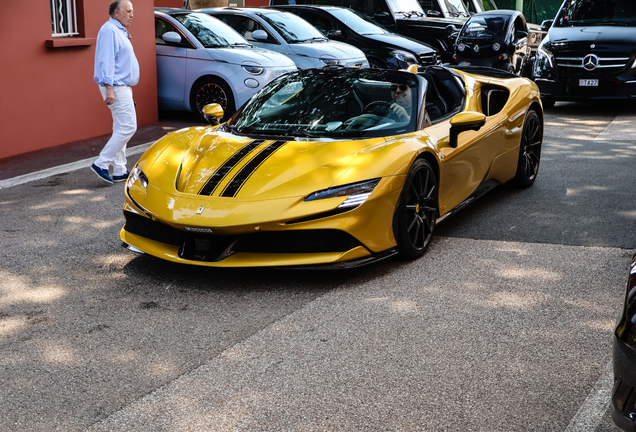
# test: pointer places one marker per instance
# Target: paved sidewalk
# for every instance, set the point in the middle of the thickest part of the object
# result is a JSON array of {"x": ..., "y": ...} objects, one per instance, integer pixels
[{"x": 27, "y": 163}]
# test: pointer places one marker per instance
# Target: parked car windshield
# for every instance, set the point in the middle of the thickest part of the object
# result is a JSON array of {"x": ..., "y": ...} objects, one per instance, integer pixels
[
  {"x": 356, "y": 22},
  {"x": 347, "y": 103},
  {"x": 597, "y": 12},
  {"x": 211, "y": 32},
  {"x": 406, "y": 6},
  {"x": 293, "y": 28},
  {"x": 456, "y": 7},
  {"x": 480, "y": 27}
]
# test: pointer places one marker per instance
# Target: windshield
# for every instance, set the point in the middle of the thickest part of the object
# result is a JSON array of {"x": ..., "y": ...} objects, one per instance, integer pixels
[
  {"x": 293, "y": 28},
  {"x": 406, "y": 6},
  {"x": 356, "y": 22},
  {"x": 349, "y": 103},
  {"x": 455, "y": 7},
  {"x": 211, "y": 32},
  {"x": 597, "y": 12},
  {"x": 480, "y": 27}
]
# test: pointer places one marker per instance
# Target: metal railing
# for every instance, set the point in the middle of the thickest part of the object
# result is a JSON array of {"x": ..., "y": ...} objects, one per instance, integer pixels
[{"x": 63, "y": 18}]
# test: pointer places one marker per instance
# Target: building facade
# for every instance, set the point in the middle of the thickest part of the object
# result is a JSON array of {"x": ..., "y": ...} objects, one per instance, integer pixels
[{"x": 48, "y": 94}]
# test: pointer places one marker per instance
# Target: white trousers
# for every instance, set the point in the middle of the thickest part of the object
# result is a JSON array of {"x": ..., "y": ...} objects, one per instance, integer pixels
[{"x": 124, "y": 127}]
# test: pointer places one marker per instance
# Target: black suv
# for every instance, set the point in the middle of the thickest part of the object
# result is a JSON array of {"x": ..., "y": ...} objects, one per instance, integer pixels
[
  {"x": 589, "y": 53},
  {"x": 404, "y": 17}
]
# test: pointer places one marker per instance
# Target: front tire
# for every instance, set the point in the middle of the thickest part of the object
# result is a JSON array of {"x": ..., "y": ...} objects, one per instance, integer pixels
[
  {"x": 417, "y": 211},
  {"x": 529, "y": 150},
  {"x": 211, "y": 90}
]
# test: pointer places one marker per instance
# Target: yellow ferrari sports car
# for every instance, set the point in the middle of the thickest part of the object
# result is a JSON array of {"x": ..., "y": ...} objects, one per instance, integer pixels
[{"x": 333, "y": 167}]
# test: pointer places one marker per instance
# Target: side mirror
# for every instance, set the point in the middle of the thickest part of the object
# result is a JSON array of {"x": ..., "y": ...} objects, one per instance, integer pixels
[
  {"x": 213, "y": 113},
  {"x": 545, "y": 25},
  {"x": 433, "y": 14},
  {"x": 260, "y": 35},
  {"x": 333, "y": 33},
  {"x": 172, "y": 37},
  {"x": 463, "y": 122},
  {"x": 521, "y": 34},
  {"x": 451, "y": 29}
]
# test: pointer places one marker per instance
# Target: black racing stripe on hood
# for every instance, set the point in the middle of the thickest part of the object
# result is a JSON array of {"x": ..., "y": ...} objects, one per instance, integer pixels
[
  {"x": 232, "y": 189},
  {"x": 226, "y": 167}
]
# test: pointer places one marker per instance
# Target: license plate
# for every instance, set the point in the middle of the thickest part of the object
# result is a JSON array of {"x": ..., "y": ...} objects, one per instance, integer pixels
[{"x": 588, "y": 83}]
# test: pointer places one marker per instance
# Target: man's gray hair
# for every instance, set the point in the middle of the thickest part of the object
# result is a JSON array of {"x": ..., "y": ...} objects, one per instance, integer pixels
[{"x": 114, "y": 5}]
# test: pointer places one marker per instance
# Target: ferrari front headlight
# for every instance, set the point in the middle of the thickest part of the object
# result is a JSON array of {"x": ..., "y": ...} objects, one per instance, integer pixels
[
  {"x": 137, "y": 175},
  {"x": 357, "y": 193}
]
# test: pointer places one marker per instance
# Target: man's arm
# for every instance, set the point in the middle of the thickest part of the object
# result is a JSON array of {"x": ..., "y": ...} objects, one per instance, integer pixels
[{"x": 105, "y": 63}]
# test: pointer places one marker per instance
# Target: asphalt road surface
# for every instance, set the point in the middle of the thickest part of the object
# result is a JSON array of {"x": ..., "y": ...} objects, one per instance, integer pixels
[{"x": 504, "y": 325}]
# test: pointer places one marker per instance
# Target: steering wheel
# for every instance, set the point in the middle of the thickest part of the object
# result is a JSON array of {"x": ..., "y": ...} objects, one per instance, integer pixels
[{"x": 379, "y": 108}]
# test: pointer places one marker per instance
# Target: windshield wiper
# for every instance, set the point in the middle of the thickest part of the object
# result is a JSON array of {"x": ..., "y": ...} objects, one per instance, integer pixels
[
  {"x": 300, "y": 133},
  {"x": 240, "y": 44},
  {"x": 229, "y": 128},
  {"x": 317, "y": 38},
  {"x": 411, "y": 13}
]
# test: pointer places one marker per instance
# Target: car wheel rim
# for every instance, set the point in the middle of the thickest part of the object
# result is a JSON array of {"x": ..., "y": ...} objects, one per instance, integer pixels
[
  {"x": 532, "y": 147},
  {"x": 211, "y": 93},
  {"x": 420, "y": 208}
]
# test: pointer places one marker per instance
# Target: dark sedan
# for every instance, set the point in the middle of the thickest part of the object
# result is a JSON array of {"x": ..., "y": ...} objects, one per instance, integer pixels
[
  {"x": 624, "y": 394},
  {"x": 496, "y": 39},
  {"x": 382, "y": 48}
]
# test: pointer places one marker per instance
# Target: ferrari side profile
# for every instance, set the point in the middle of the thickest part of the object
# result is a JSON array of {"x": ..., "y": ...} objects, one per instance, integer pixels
[{"x": 333, "y": 167}]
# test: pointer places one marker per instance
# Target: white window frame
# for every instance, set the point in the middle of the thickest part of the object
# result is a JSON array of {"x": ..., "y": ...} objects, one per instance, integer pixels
[{"x": 63, "y": 18}]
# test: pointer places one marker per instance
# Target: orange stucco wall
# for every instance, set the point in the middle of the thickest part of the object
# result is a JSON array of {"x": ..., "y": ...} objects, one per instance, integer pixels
[
  {"x": 48, "y": 95},
  {"x": 169, "y": 3},
  {"x": 256, "y": 3}
]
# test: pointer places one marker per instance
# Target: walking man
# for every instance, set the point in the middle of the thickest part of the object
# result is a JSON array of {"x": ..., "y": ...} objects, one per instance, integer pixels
[{"x": 116, "y": 71}]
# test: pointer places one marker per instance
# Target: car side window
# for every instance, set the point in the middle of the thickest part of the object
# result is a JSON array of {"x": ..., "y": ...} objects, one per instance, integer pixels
[
  {"x": 320, "y": 22},
  {"x": 432, "y": 5},
  {"x": 162, "y": 27},
  {"x": 245, "y": 27}
]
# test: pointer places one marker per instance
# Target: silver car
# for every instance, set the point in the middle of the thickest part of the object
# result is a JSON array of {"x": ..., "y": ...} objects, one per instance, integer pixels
[
  {"x": 291, "y": 35},
  {"x": 201, "y": 60}
]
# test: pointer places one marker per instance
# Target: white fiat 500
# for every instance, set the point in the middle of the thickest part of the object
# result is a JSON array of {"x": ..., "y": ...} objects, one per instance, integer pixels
[
  {"x": 291, "y": 35},
  {"x": 201, "y": 60}
]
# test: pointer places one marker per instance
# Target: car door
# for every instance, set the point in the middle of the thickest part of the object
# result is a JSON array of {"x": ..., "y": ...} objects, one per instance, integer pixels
[
  {"x": 466, "y": 167},
  {"x": 171, "y": 65}
]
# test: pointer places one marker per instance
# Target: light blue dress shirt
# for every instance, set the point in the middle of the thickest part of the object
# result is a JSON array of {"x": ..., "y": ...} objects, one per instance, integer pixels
[{"x": 115, "y": 61}]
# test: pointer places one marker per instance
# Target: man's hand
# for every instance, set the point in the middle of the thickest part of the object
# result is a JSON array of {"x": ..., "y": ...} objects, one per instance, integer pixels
[
  {"x": 399, "y": 113},
  {"x": 110, "y": 95}
]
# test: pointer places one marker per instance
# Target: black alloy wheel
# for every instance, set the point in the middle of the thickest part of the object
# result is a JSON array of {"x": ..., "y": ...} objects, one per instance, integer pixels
[
  {"x": 529, "y": 150},
  {"x": 417, "y": 211},
  {"x": 211, "y": 90}
]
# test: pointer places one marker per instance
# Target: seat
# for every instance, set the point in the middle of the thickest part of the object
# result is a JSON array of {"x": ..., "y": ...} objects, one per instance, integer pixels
[
  {"x": 159, "y": 33},
  {"x": 249, "y": 28},
  {"x": 433, "y": 95}
]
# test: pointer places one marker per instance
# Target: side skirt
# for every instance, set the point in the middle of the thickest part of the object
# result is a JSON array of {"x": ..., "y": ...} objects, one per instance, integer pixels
[{"x": 481, "y": 190}]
